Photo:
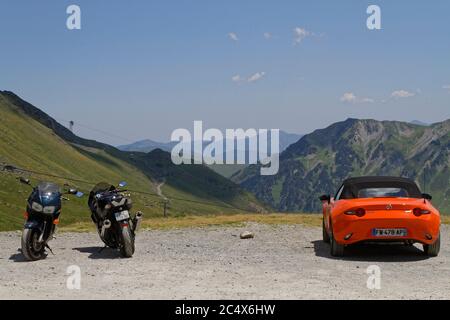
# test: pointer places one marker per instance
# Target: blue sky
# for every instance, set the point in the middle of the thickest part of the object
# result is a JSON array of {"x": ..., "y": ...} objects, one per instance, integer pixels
[{"x": 144, "y": 68}]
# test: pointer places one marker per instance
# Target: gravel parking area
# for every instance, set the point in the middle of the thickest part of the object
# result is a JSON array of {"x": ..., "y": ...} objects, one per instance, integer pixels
[{"x": 280, "y": 262}]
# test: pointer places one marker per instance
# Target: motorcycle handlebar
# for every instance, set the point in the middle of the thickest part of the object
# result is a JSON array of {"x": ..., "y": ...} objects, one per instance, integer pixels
[{"x": 115, "y": 191}]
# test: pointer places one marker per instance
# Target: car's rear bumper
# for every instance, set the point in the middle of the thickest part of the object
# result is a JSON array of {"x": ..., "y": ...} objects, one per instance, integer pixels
[{"x": 353, "y": 229}]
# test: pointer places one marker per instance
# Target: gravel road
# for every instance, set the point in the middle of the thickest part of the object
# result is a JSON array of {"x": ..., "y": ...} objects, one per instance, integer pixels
[{"x": 281, "y": 262}]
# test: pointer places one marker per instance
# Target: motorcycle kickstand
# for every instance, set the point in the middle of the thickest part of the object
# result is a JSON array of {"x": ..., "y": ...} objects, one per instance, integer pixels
[{"x": 50, "y": 249}]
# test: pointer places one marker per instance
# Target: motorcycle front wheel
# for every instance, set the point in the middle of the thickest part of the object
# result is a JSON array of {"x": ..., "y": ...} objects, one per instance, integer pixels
[
  {"x": 31, "y": 248},
  {"x": 127, "y": 246}
]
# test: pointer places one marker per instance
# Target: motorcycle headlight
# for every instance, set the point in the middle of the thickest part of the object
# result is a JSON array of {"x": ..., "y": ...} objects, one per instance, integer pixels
[
  {"x": 49, "y": 210},
  {"x": 36, "y": 207}
]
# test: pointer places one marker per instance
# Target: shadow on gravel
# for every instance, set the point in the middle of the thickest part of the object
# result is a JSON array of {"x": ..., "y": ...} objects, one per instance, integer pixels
[
  {"x": 17, "y": 257},
  {"x": 98, "y": 253},
  {"x": 383, "y": 252}
]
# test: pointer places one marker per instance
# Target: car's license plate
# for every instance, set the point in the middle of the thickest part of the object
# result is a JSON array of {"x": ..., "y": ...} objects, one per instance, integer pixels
[
  {"x": 123, "y": 215},
  {"x": 389, "y": 232}
]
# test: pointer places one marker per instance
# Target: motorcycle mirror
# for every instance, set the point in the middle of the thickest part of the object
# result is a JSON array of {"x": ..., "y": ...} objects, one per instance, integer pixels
[
  {"x": 24, "y": 180},
  {"x": 79, "y": 194},
  {"x": 122, "y": 184}
]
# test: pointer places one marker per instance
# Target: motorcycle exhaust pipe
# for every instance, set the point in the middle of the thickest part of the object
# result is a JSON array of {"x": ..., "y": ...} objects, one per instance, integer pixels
[
  {"x": 137, "y": 220},
  {"x": 106, "y": 225}
]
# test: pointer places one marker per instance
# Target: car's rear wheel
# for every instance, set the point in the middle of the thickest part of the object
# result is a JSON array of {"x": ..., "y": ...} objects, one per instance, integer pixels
[
  {"x": 432, "y": 250},
  {"x": 325, "y": 235},
  {"x": 336, "y": 249}
]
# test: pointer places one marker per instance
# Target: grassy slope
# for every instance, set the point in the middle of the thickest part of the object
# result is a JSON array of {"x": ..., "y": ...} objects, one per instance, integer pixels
[
  {"x": 198, "y": 181},
  {"x": 27, "y": 143},
  {"x": 227, "y": 170}
]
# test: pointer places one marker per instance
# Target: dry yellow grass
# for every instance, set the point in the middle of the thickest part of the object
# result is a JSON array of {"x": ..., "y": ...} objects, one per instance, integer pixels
[
  {"x": 445, "y": 219},
  {"x": 311, "y": 220},
  {"x": 212, "y": 220},
  {"x": 237, "y": 219},
  {"x": 78, "y": 227}
]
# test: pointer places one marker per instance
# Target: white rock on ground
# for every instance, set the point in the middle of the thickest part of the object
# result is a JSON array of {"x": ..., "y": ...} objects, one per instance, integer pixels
[{"x": 247, "y": 235}]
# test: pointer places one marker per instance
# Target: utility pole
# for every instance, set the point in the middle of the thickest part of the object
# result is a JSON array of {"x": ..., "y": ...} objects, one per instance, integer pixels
[
  {"x": 424, "y": 176},
  {"x": 165, "y": 209},
  {"x": 423, "y": 180}
]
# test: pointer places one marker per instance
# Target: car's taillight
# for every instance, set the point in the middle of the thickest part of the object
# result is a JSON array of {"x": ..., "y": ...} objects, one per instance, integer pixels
[
  {"x": 357, "y": 212},
  {"x": 418, "y": 212}
]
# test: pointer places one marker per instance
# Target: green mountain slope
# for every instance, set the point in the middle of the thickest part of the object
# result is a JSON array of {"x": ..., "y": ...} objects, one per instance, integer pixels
[
  {"x": 31, "y": 139},
  {"x": 318, "y": 162}
]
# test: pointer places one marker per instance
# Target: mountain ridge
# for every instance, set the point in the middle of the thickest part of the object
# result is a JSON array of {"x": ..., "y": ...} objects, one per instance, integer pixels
[
  {"x": 147, "y": 145},
  {"x": 319, "y": 161}
]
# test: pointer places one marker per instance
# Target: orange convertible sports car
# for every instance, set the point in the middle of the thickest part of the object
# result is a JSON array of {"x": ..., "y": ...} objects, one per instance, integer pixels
[{"x": 371, "y": 209}]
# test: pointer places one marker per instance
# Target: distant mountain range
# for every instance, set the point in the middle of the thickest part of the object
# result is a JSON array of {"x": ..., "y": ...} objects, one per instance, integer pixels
[
  {"x": 147, "y": 145},
  {"x": 319, "y": 161},
  {"x": 226, "y": 170},
  {"x": 420, "y": 123}
]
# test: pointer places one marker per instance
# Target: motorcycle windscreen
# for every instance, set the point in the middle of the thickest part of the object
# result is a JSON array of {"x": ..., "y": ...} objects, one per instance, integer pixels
[
  {"x": 102, "y": 187},
  {"x": 98, "y": 188},
  {"x": 48, "y": 188}
]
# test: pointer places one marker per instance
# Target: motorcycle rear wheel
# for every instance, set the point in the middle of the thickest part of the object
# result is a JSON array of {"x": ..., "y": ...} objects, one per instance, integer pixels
[
  {"x": 31, "y": 248},
  {"x": 127, "y": 247}
]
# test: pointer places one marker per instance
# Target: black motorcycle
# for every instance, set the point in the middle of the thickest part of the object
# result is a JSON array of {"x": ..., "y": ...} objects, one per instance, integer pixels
[
  {"x": 110, "y": 211},
  {"x": 42, "y": 216}
]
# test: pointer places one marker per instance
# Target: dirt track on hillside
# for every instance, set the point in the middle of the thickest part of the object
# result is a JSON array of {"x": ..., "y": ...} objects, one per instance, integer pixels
[{"x": 281, "y": 262}]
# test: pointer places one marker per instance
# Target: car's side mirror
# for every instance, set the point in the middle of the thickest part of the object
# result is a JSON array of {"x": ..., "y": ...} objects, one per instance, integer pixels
[
  {"x": 427, "y": 196},
  {"x": 325, "y": 197},
  {"x": 24, "y": 180}
]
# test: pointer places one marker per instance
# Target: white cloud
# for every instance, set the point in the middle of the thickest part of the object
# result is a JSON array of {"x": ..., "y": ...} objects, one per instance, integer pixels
[
  {"x": 257, "y": 76},
  {"x": 402, "y": 94},
  {"x": 367, "y": 100},
  {"x": 267, "y": 35},
  {"x": 300, "y": 34},
  {"x": 252, "y": 78},
  {"x": 446, "y": 87},
  {"x": 233, "y": 36},
  {"x": 350, "y": 97},
  {"x": 236, "y": 78}
]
